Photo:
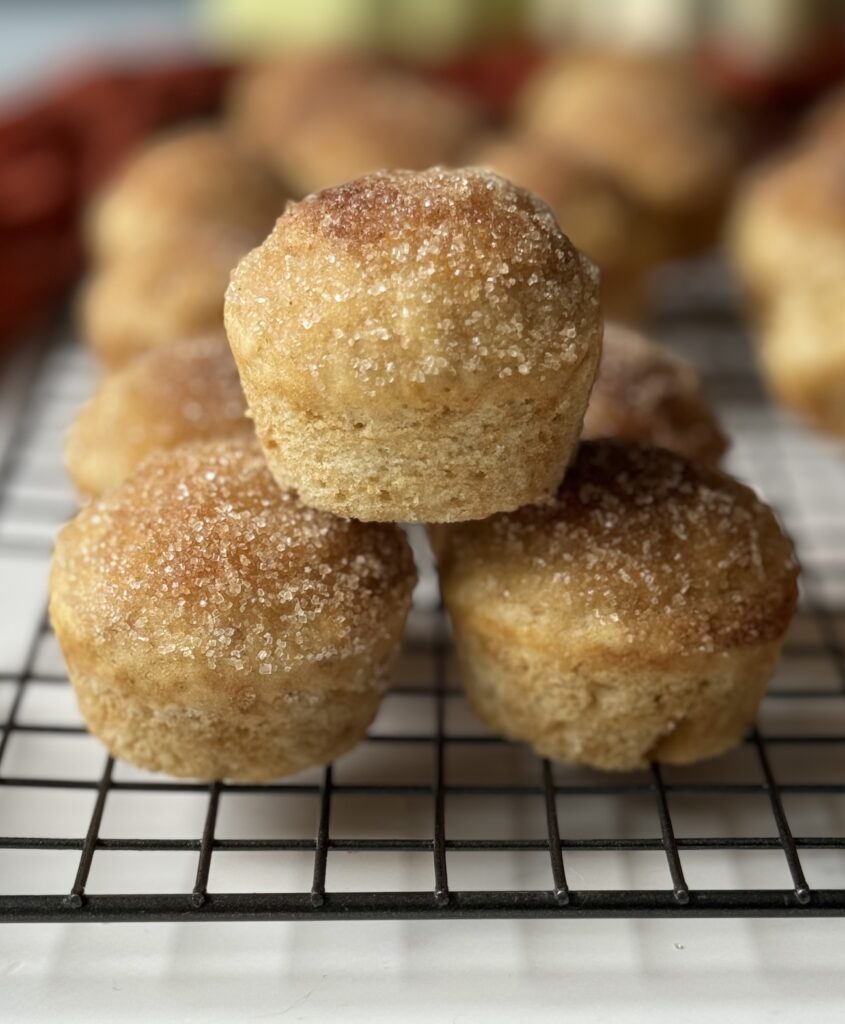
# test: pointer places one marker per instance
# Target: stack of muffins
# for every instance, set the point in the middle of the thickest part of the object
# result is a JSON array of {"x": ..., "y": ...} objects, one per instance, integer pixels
[{"x": 419, "y": 346}]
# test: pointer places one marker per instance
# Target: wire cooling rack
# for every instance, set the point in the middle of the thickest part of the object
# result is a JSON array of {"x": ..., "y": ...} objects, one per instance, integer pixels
[{"x": 432, "y": 816}]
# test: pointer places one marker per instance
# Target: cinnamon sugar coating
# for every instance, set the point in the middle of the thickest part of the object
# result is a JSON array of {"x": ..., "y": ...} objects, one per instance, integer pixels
[
  {"x": 402, "y": 338},
  {"x": 638, "y": 616},
  {"x": 214, "y": 625}
]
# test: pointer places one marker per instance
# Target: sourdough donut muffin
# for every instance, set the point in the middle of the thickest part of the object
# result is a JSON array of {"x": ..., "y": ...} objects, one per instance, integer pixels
[
  {"x": 188, "y": 391},
  {"x": 788, "y": 221},
  {"x": 636, "y": 618},
  {"x": 596, "y": 213},
  {"x": 359, "y": 120},
  {"x": 652, "y": 124},
  {"x": 191, "y": 181},
  {"x": 417, "y": 346},
  {"x": 215, "y": 627},
  {"x": 266, "y": 101},
  {"x": 155, "y": 298},
  {"x": 801, "y": 349},
  {"x": 644, "y": 393}
]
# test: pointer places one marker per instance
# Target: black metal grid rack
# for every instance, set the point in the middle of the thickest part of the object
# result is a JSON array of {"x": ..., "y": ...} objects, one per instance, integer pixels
[{"x": 433, "y": 816}]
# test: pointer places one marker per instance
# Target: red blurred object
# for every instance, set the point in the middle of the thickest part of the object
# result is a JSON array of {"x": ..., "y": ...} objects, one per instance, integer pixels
[
  {"x": 774, "y": 99},
  {"x": 493, "y": 77},
  {"x": 57, "y": 151}
]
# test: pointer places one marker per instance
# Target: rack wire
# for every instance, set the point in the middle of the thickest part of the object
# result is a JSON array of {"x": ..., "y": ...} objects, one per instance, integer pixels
[{"x": 432, "y": 816}]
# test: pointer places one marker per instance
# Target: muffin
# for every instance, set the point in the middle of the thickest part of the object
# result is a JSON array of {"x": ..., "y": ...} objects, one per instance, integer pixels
[
  {"x": 644, "y": 393},
  {"x": 802, "y": 349},
  {"x": 636, "y": 618},
  {"x": 649, "y": 122},
  {"x": 358, "y": 119},
  {"x": 185, "y": 182},
  {"x": 267, "y": 101},
  {"x": 417, "y": 347},
  {"x": 214, "y": 626},
  {"x": 169, "y": 396},
  {"x": 156, "y": 298},
  {"x": 788, "y": 222}
]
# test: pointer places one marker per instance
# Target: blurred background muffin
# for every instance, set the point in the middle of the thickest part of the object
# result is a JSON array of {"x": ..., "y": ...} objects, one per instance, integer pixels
[
  {"x": 189, "y": 181},
  {"x": 156, "y": 297},
  {"x": 598, "y": 214},
  {"x": 169, "y": 396},
  {"x": 324, "y": 121},
  {"x": 651, "y": 123},
  {"x": 645, "y": 393}
]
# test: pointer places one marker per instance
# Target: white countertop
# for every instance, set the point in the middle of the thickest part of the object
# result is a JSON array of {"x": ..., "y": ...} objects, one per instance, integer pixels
[{"x": 463, "y": 972}]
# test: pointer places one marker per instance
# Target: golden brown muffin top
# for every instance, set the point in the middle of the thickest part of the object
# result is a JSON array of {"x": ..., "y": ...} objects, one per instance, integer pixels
[
  {"x": 644, "y": 393},
  {"x": 170, "y": 395},
  {"x": 199, "y": 556},
  {"x": 414, "y": 288},
  {"x": 646, "y": 118},
  {"x": 193, "y": 179},
  {"x": 640, "y": 547}
]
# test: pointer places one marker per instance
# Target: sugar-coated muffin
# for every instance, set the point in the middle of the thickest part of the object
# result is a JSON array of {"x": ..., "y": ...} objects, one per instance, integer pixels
[
  {"x": 593, "y": 209},
  {"x": 638, "y": 617},
  {"x": 788, "y": 222},
  {"x": 417, "y": 346},
  {"x": 266, "y": 101},
  {"x": 215, "y": 627},
  {"x": 644, "y": 393},
  {"x": 190, "y": 181},
  {"x": 169, "y": 396},
  {"x": 156, "y": 298},
  {"x": 356, "y": 119},
  {"x": 649, "y": 121},
  {"x": 801, "y": 349}
]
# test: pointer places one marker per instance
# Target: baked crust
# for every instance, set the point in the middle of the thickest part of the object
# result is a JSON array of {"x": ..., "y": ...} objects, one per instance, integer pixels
[
  {"x": 215, "y": 626},
  {"x": 404, "y": 315},
  {"x": 638, "y": 616}
]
